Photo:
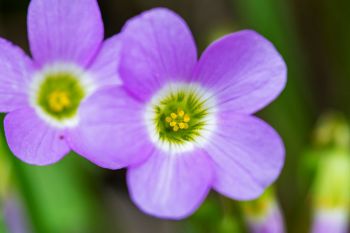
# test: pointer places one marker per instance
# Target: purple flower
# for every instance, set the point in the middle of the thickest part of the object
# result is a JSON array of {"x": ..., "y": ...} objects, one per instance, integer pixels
[
  {"x": 335, "y": 221},
  {"x": 42, "y": 94},
  {"x": 263, "y": 215},
  {"x": 272, "y": 224},
  {"x": 331, "y": 187},
  {"x": 14, "y": 216},
  {"x": 186, "y": 126}
]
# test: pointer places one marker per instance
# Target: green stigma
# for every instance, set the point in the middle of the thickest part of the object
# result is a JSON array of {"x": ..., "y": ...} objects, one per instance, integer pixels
[
  {"x": 180, "y": 117},
  {"x": 60, "y": 95}
]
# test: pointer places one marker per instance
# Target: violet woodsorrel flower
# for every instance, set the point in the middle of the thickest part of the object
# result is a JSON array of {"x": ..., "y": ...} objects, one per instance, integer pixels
[
  {"x": 263, "y": 215},
  {"x": 331, "y": 185},
  {"x": 187, "y": 125},
  {"x": 331, "y": 193},
  {"x": 42, "y": 95}
]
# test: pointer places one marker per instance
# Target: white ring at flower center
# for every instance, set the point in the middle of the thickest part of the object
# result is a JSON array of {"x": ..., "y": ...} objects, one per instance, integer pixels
[
  {"x": 39, "y": 78},
  {"x": 203, "y": 95}
]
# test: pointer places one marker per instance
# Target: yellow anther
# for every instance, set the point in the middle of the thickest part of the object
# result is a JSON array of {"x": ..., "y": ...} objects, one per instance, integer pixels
[
  {"x": 168, "y": 119},
  {"x": 181, "y": 113},
  {"x": 182, "y": 125},
  {"x": 176, "y": 128},
  {"x": 173, "y": 123},
  {"x": 187, "y": 118},
  {"x": 173, "y": 115},
  {"x": 58, "y": 100}
]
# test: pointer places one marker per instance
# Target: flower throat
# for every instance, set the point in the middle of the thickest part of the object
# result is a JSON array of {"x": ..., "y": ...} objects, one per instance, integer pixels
[
  {"x": 60, "y": 95},
  {"x": 180, "y": 117}
]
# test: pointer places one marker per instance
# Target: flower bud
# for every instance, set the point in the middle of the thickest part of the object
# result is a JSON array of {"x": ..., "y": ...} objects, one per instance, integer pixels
[
  {"x": 331, "y": 187},
  {"x": 264, "y": 215}
]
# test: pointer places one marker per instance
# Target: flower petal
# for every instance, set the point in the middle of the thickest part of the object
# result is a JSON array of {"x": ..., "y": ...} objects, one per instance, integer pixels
[
  {"x": 158, "y": 47},
  {"x": 248, "y": 156},
  {"x": 32, "y": 140},
  {"x": 64, "y": 31},
  {"x": 171, "y": 186},
  {"x": 244, "y": 69},
  {"x": 111, "y": 131},
  {"x": 106, "y": 63},
  {"x": 16, "y": 70}
]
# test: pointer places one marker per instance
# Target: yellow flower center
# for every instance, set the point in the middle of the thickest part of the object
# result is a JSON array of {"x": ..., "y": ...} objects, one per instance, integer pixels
[
  {"x": 178, "y": 120},
  {"x": 58, "y": 101}
]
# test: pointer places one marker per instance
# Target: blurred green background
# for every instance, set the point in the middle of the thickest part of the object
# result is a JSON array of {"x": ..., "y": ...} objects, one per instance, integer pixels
[{"x": 74, "y": 196}]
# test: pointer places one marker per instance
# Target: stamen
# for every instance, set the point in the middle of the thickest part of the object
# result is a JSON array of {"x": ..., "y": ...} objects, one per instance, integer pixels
[
  {"x": 182, "y": 125},
  {"x": 173, "y": 115},
  {"x": 179, "y": 120},
  {"x": 187, "y": 118},
  {"x": 180, "y": 116},
  {"x": 181, "y": 113},
  {"x": 176, "y": 128},
  {"x": 58, "y": 100}
]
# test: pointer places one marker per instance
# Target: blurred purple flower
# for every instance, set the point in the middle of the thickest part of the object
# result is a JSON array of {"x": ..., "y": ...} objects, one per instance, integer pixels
[
  {"x": 331, "y": 189},
  {"x": 42, "y": 95},
  {"x": 14, "y": 215},
  {"x": 263, "y": 215},
  {"x": 335, "y": 221},
  {"x": 271, "y": 222},
  {"x": 186, "y": 126}
]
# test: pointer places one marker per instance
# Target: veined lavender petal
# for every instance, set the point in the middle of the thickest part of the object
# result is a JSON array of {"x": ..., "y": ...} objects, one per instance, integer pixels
[
  {"x": 111, "y": 132},
  {"x": 248, "y": 156},
  {"x": 171, "y": 186},
  {"x": 158, "y": 47},
  {"x": 65, "y": 30},
  {"x": 244, "y": 69}
]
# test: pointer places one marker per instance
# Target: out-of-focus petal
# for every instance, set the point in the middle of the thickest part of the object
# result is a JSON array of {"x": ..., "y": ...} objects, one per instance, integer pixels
[
  {"x": 32, "y": 140},
  {"x": 245, "y": 71},
  {"x": 171, "y": 186},
  {"x": 105, "y": 66},
  {"x": 64, "y": 30},
  {"x": 335, "y": 221},
  {"x": 272, "y": 222},
  {"x": 14, "y": 215},
  {"x": 157, "y": 48},
  {"x": 16, "y": 70},
  {"x": 111, "y": 131},
  {"x": 248, "y": 155}
]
